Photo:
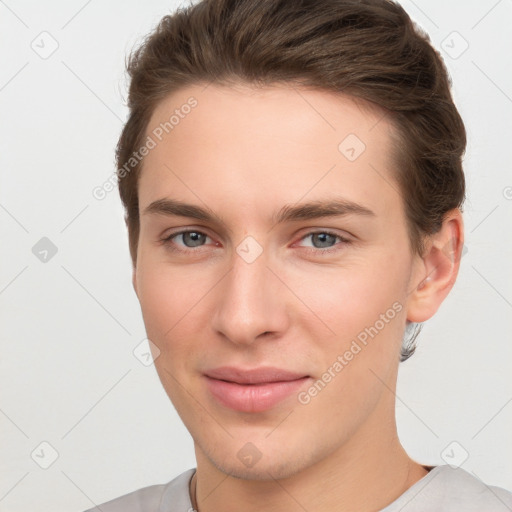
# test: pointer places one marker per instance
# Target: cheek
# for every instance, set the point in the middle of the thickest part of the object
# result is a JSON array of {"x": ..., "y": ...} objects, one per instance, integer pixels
[
  {"x": 344, "y": 301},
  {"x": 159, "y": 301},
  {"x": 368, "y": 322},
  {"x": 165, "y": 298},
  {"x": 363, "y": 309}
]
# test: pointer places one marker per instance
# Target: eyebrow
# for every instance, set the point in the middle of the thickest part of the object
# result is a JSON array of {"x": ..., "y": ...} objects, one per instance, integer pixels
[{"x": 288, "y": 213}]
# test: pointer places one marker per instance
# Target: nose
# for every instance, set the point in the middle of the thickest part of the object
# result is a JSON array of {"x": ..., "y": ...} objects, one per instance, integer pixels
[{"x": 250, "y": 302}]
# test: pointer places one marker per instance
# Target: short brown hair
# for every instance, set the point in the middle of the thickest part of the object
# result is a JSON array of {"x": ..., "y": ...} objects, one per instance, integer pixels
[{"x": 369, "y": 49}]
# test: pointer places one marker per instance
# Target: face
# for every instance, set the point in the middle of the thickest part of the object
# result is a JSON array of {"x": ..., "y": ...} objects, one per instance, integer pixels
[{"x": 276, "y": 312}]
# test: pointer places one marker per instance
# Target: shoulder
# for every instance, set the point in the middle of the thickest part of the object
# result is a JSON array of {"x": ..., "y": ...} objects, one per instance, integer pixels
[
  {"x": 458, "y": 487},
  {"x": 450, "y": 489},
  {"x": 154, "y": 498}
]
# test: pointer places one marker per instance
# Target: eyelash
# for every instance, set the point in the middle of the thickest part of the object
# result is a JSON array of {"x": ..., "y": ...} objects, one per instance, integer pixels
[{"x": 167, "y": 241}]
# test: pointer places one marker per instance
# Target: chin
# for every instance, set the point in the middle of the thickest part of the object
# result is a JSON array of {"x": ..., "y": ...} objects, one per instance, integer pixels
[
  {"x": 276, "y": 466},
  {"x": 262, "y": 472}
]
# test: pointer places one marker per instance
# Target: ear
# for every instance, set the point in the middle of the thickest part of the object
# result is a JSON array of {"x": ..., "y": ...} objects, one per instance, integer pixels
[{"x": 435, "y": 272}]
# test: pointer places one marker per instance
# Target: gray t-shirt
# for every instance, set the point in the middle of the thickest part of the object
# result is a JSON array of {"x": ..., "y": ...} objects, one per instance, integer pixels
[{"x": 443, "y": 489}]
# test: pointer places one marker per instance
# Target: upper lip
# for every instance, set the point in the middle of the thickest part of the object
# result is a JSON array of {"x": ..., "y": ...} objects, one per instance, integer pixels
[{"x": 260, "y": 375}]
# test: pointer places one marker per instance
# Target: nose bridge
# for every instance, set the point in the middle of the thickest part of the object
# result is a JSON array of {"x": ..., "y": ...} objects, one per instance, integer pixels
[{"x": 248, "y": 302}]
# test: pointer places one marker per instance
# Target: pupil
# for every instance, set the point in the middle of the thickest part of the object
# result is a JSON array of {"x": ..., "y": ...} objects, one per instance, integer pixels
[
  {"x": 323, "y": 237},
  {"x": 196, "y": 237}
]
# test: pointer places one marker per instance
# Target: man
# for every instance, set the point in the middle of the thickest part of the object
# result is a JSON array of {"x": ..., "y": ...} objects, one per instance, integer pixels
[{"x": 292, "y": 179}]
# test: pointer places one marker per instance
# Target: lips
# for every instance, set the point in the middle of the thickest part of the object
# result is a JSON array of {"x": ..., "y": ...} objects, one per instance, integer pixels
[
  {"x": 253, "y": 376},
  {"x": 252, "y": 390}
]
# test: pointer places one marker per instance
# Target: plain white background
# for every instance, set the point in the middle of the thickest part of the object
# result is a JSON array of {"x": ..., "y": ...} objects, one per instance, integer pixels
[{"x": 69, "y": 326}]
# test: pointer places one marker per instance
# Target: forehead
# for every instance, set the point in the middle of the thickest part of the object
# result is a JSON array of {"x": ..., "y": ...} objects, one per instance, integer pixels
[{"x": 258, "y": 146}]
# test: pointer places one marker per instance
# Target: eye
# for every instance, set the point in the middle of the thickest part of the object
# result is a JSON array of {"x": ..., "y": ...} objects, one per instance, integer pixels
[
  {"x": 190, "y": 239},
  {"x": 325, "y": 241}
]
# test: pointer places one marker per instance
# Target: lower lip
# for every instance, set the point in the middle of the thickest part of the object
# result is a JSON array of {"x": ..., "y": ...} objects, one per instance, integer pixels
[{"x": 252, "y": 397}]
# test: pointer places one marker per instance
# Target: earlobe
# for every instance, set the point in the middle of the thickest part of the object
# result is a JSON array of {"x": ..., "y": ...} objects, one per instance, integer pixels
[{"x": 437, "y": 271}]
